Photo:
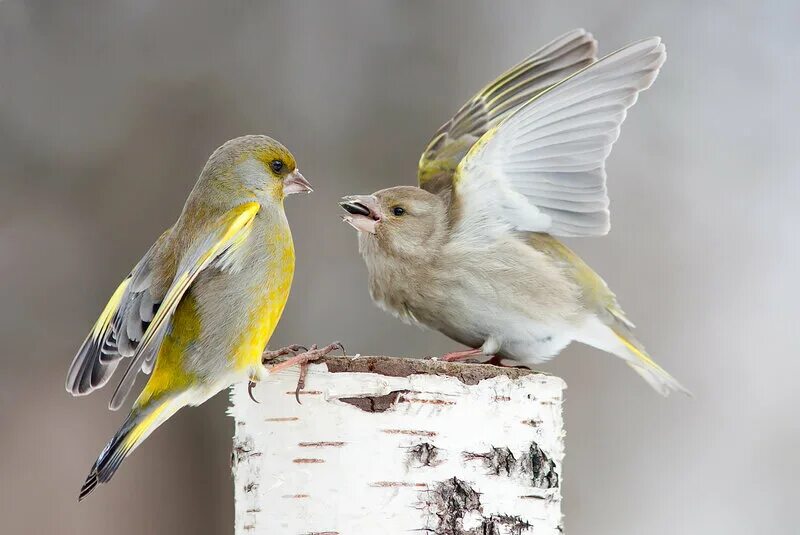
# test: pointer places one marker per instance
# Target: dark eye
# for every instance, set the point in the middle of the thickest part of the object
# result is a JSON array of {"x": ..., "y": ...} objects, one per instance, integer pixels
[
  {"x": 398, "y": 211},
  {"x": 276, "y": 166}
]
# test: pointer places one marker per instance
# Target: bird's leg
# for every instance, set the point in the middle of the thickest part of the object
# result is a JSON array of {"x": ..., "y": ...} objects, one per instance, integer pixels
[
  {"x": 461, "y": 355},
  {"x": 302, "y": 360},
  {"x": 268, "y": 355}
]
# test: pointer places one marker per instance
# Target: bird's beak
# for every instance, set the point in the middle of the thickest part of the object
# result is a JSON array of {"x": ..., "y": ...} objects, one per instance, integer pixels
[
  {"x": 364, "y": 210},
  {"x": 296, "y": 183}
]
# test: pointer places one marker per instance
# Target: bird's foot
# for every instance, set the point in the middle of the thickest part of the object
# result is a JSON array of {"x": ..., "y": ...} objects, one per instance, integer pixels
[
  {"x": 302, "y": 359},
  {"x": 460, "y": 355},
  {"x": 268, "y": 355},
  {"x": 293, "y": 349}
]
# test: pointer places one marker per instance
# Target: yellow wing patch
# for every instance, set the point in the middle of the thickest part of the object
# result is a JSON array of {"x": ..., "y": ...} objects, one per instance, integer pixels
[
  {"x": 97, "y": 336},
  {"x": 104, "y": 321},
  {"x": 169, "y": 373}
]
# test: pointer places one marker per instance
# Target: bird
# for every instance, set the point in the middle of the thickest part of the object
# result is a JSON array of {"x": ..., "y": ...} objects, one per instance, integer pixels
[
  {"x": 474, "y": 251},
  {"x": 197, "y": 311}
]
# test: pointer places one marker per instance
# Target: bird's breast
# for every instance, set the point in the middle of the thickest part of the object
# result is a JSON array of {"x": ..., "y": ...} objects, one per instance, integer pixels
[{"x": 270, "y": 294}]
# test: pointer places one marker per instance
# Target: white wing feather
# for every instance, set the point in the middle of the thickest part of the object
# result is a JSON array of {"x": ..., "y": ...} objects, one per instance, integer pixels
[{"x": 543, "y": 168}]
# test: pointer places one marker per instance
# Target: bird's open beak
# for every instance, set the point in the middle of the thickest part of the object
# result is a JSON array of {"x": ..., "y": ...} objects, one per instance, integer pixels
[
  {"x": 364, "y": 210},
  {"x": 296, "y": 183}
]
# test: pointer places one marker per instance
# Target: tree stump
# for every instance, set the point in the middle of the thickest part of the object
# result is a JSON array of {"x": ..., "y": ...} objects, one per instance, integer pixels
[{"x": 390, "y": 446}]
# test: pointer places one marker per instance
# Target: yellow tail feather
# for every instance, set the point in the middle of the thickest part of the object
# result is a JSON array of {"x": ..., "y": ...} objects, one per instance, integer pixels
[{"x": 656, "y": 376}]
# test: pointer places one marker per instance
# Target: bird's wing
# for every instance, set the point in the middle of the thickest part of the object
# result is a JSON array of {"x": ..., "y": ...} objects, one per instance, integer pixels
[
  {"x": 596, "y": 296},
  {"x": 553, "y": 62},
  {"x": 543, "y": 168},
  {"x": 226, "y": 235},
  {"x": 118, "y": 330}
]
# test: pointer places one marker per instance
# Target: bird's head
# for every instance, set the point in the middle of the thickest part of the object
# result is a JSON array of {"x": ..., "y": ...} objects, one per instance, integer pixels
[
  {"x": 403, "y": 221},
  {"x": 256, "y": 165}
]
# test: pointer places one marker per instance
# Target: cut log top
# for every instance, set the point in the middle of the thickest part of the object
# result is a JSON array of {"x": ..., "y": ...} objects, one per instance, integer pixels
[{"x": 470, "y": 374}]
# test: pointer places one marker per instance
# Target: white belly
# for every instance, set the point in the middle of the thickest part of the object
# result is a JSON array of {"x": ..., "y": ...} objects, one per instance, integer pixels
[{"x": 509, "y": 334}]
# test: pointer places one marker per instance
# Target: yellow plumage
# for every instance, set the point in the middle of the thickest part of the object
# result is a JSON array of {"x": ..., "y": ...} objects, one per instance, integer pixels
[
  {"x": 264, "y": 318},
  {"x": 170, "y": 374}
]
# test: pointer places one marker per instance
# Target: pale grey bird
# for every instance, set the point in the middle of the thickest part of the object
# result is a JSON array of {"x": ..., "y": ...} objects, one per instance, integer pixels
[{"x": 473, "y": 251}]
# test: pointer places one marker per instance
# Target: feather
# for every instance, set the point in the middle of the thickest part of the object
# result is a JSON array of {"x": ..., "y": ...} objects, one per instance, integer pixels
[
  {"x": 140, "y": 423},
  {"x": 542, "y": 169},
  {"x": 117, "y": 331},
  {"x": 558, "y": 59}
]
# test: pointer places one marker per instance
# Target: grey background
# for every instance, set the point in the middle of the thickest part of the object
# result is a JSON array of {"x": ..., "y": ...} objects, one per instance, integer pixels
[{"x": 108, "y": 111}]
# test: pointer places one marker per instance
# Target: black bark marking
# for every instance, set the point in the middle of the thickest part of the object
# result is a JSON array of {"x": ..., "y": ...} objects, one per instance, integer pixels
[
  {"x": 535, "y": 465},
  {"x": 242, "y": 450},
  {"x": 425, "y": 454},
  {"x": 451, "y": 500},
  {"x": 375, "y": 403},
  {"x": 540, "y": 468},
  {"x": 512, "y": 525},
  {"x": 499, "y": 461}
]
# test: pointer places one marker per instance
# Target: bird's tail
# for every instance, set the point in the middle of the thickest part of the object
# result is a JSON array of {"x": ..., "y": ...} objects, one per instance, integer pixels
[
  {"x": 141, "y": 421},
  {"x": 634, "y": 354}
]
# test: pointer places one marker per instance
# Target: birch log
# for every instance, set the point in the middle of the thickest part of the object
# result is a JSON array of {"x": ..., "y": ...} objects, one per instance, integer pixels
[{"x": 394, "y": 446}]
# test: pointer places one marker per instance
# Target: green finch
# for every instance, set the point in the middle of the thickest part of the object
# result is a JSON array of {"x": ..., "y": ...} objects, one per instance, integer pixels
[
  {"x": 473, "y": 252},
  {"x": 198, "y": 309}
]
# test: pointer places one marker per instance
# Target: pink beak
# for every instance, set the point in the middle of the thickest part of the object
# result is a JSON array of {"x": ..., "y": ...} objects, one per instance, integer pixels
[
  {"x": 364, "y": 212},
  {"x": 296, "y": 183}
]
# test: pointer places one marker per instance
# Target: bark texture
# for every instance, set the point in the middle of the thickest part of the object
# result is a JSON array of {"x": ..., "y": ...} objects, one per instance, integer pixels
[{"x": 392, "y": 445}]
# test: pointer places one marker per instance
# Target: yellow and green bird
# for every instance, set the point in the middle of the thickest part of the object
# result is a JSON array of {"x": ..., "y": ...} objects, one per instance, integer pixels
[{"x": 198, "y": 309}]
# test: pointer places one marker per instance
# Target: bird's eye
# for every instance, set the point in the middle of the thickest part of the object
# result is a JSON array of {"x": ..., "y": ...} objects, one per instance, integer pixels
[
  {"x": 276, "y": 166},
  {"x": 398, "y": 211}
]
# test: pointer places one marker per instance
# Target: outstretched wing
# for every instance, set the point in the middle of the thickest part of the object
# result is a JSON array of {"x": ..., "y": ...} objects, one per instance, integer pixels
[
  {"x": 553, "y": 62},
  {"x": 543, "y": 168},
  {"x": 117, "y": 332},
  {"x": 220, "y": 239}
]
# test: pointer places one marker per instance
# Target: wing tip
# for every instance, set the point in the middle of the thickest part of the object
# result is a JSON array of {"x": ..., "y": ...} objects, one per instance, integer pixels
[
  {"x": 568, "y": 41},
  {"x": 90, "y": 484},
  {"x": 118, "y": 399},
  {"x": 75, "y": 382},
  {"x": 576, "y": 33},
  {"x": 652, "y": 44},
  {"x": 88, "y": 372}
]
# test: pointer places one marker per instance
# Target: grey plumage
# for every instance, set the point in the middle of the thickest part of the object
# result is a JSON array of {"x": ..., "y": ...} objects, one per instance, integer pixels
[{"x": 472, "y": 252}]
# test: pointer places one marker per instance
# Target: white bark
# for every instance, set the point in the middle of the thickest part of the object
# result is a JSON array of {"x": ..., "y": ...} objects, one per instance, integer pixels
[{"x": 391, "y": 446}]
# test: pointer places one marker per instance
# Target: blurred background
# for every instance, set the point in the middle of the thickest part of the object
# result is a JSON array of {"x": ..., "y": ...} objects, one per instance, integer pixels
[{"x": 108, "y": 111}]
